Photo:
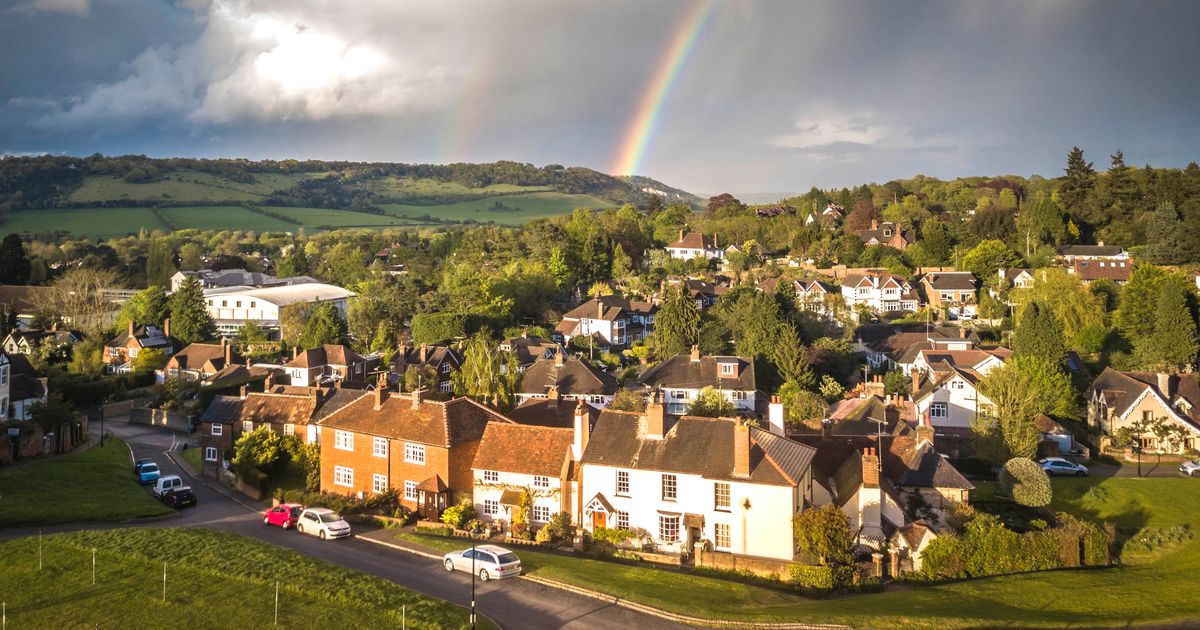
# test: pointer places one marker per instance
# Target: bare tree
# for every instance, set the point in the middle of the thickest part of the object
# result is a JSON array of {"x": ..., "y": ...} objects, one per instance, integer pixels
[{"x": 77, "y": 298}]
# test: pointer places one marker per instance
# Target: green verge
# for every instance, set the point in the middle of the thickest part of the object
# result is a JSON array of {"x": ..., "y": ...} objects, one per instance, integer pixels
[
  {"x": 1148, "y": 589},
  {"x": 214, "y": 580},
  {"x": 93, "y": 485}
]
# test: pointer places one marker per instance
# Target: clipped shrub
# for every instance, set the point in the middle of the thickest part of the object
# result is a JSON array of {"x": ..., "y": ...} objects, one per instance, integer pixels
[
  {"x": 557, "y": 531},
  {"x": 820, "y": 578},
  {"x": 459, "y": 515},
  {"x": 1026, "y": 482}
]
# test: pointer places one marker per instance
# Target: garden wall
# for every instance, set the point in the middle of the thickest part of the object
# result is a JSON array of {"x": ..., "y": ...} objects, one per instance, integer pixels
[{"x": 157, "y": 417}]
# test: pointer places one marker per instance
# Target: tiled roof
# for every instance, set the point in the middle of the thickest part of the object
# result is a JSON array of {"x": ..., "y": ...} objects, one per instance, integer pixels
[
  {"x": 574, "y": 377},
  {"x": 691, "y": 445},
  {"x": 328, "y": 354},
  {"x": 613, "y": 308},
  {"x": 951, "y": 280},
  {"x": 878, "y": 234},
  {"x": 549, "y": 412},
  {"x": 1117, "y": 271},
  {"x": 1121, "y": 390},
  {"x": 694, "y": 240},
  {"x": 432, "y": 422},
  {"x": 863, "y": 416},
  {"x": 223, "y": 410},
  {"x": 914, "y": 463},
  {"x": 148, "y": 336},
  {"x": 278, "y": 408},
  {"x": 434, "y": 355},
  {"x": 528, "y": 450},
  {"x": 195, "y": 355},
  {"x": 529, "y": 348},
  {"x": 680, "y": 371}
]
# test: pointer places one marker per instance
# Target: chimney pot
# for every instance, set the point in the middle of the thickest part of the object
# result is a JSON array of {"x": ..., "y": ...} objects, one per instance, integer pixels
[
  {"x": 130, "y": 329},
  {"x": 583, "y": 430},
  {"x": 695, "y": 352},
  {"x": 380, "y": 392},
  {"x": 166, "y": 327},
  {"x": 656, "y": 419},
  {"x": 741, "y": 449},
  {"x": 916, "y": 380}
]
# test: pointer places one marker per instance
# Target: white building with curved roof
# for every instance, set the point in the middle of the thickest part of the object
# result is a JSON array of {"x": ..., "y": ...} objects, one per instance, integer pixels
[{"x": 232, "y": 307}]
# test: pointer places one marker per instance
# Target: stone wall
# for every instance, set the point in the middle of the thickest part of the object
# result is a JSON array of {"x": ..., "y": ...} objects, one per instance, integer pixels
[
  {"x": 765, "y": 567},
  {"x": 157, "y": 417}
]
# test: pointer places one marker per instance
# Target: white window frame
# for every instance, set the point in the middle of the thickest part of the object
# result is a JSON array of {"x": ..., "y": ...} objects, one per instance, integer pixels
[
  {"x": 210, "y": 453},
  {"x": 247, "y": 426},
  {"x": 343, "y": 440},
  {"x": 216, "y": 429},
  {"x": 725, "y": 532},
  {"x": 379, "y": 483},
  {"x": 540, "y": 514},
  {"x": 621, "y": 519},
  {"x": 491, "y": 476},
  {"x": 491, "y": 507},
  {"x": 728, "y": 369},
  {"x": 414, "y": 453},
  {"x": 410, "y": 490},
  {"x": 289, "y": 429},
  {"x": 379, "y": 447},
  {"x": 622, "y": 483},
  {"x": 939, "y": 410},
  {"x": 541, "y": 482},
  {"x": 670, "y": 487},
  {"x": 343, "y": 476},
  {"x": 722, "y": 496},
  {"x": 665, "y": 525}
]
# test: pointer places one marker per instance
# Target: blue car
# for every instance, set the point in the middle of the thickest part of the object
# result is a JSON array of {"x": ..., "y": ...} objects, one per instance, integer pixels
[{"x": 148, "y": 473}]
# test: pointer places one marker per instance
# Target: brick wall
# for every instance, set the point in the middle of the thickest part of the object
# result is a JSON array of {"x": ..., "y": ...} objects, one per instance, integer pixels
[{"x": 765, "y": 567}]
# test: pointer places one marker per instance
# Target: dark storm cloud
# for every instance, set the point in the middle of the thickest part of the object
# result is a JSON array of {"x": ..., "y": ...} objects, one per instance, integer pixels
[{"x": 775, "y": 96}]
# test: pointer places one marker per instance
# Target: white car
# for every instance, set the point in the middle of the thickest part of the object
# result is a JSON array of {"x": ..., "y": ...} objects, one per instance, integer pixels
[
  {"x": 487, "y": 561},
  {"x": 322, "y": 523},
  {"x": 1060, "y": 466},
  {"x": 1191, "y": 469},
  {"x": 165, "y": 484}
]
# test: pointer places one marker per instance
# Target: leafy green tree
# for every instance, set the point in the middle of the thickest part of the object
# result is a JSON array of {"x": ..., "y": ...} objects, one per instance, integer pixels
[
  {"x": 711, "y": 403},
  {"x": 677, "y": 325},
  {"x": 1012, "y": 412},
  {"x": 831, "y": 389},
  {"x": 1138, "y": 304},
  {"x": 1041, "y": 223},
  {"x": 1164, "y": 236},
  {"x": 190, "y": 321},
  {"x": 802, "y": 408},
  {"x": 14, "y": 263},
  {"x": 261, "y": 448},
  {"x": 148, "y": 360},
  {"x": 627, "y": 400},
  {"x": 622, "y": 264},
  {"x": 295, "y": 263},
  {"x": 1172, "y": 346},
  {"x": 558, "y": 267},
  {"x": 148, "y": 306},
  {"x": 1038, "y": 334},
  {"x": 191, "y": 256},
  {"x": 160, "y": 263},
  {"x": 1026, "y": 482},
  {"x": 825, "y": 533},
  {"x": 987, "y": 257},
  {"x": 87, "y": 358},
  {"x": 419, "y": 376},
  {"x": 1073, "y": 306},
  {"x": 52, "y": 413},
  {"x": 481, "y": 376},
  {"x": 1054, "y": 395},
  {"x": 325, "y": 325},
  {"x": 251, "y": 332}
]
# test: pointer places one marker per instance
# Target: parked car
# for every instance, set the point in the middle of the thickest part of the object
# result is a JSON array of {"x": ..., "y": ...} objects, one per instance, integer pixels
[
  {"x": 148, "y": 473},
  {"x": 165, "y": 483},
  {"x": 490, "y": 562},
  {"x": 284, "y": 515},
  {"x": 322, "y": 523},
  {"x": 139, "y": 463},
  {"x": 1191, "y": 469},
  {"x": 1060, "y": 466},
  {"x": 179, "y": 497}
]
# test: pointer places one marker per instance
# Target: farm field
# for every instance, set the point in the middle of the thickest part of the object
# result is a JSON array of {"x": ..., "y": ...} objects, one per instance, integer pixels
[
  {"x": 184, "y": 186},
  {"x": 92, "y": 222},
  {"x": 394, "y": 187},
  {"x": 327, "y": 217},
  {"x": 520, "y": 208},
  {"x": 225, "y": 218},
  {"x": 214, "y": 580}
]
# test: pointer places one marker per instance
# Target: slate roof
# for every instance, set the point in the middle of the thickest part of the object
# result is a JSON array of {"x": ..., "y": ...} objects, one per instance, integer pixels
[
  {"x": 680, "y": 371},
  {"x": 1089, "y": 250},
  {"x": 24, "y": 387},
  {"x": 697, "y": 446},
  {"x": 529, "y": 348},
  {"x": 147, "y": 335},
  {"x": 526, "y": 450},
  {"x": 434, "y": 355},
  {"x": 614, "y": 307},
  {"x": 34, "y": 336},
  {"x": 913, "y": 463},
  {"x": 196, "y": 355},
  {"x": 951, "y": 280},
  {"x": 1120, "y": 390},
  {"x": 223, "y": 410},
  {"x": 328, "y": 354},
  {"x": 862, "y": 416},
  {"x": 550, "y": 412},
  {"x": 878, "y": 234},
  {"x": 573, "y": 378},
  {"x": 432, "y": 422}
]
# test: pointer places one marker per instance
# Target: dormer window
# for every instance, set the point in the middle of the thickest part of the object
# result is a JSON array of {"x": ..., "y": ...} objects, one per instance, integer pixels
[
  {"x": 1183, "y": 405},
  {"x": 728, "y": 369}
]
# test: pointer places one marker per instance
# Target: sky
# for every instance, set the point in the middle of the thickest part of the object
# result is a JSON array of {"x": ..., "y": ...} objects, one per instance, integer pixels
[{"x": 705, "y": 95}]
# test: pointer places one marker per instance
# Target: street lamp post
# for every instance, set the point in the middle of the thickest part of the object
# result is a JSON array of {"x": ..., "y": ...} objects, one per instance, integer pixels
[
  {"x": 474, "y": 534},
  {"x": 102, "y": 401}
]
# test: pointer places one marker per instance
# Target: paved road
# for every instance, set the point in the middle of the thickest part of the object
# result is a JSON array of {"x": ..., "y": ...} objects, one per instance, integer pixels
[
  {"x": 511, "y": 603},
  {"x": 1150, "y": 468}
]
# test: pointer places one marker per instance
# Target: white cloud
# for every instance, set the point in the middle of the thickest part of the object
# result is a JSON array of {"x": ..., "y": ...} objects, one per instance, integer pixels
[
  {"x": 70, "y": 7},
  {"x": 849, "y": 137},
  {"x": 259, "y": 61}
]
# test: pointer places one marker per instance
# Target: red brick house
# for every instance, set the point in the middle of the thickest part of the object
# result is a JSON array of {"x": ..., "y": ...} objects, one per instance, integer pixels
[
  {"x": 200, "y": 361},
  {"x": 443, "y": 359},
  {"x": 421, "y": 448},
  {"x": 120, "y": 351}
]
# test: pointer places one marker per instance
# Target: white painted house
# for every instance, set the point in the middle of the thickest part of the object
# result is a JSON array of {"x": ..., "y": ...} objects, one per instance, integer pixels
[
  {"x": 513, "y": 459},
  {"x": 689, "y": 481},
  {"x": 682, "y": 376},
  {"x": 232, "y": 307},
  {"x": 609, "y": 320},
  {"x": 946, "y": 385},
  {"x": 880, "y": 291},
  {"x": 695, "y": 245}
]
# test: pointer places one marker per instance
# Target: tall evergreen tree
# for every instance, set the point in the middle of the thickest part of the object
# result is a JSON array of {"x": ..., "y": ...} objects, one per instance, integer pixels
[
  {"x": 325, "y": 325},
  {"x": 1164, "y": 233},
  {"x": 1076, "y": 189},
  {"x": 14, "y": 263},
  {"x": 190, "y": 321},
  {"x": 622, "y": 265},
  {"x": 1173, "y": 345},
  {"x": 1121, "y": 186},
  {"x": 677, "y": 325},
  {"x": 160, "y": 263},
  {"x": 1138, "y": 302},
  {"x": 1039, "y": 334}
]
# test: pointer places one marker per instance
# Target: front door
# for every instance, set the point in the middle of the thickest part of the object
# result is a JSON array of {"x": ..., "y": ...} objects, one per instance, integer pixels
[
  {"x": 428, "y": 506},
  {"x": 599, "y": 519}
]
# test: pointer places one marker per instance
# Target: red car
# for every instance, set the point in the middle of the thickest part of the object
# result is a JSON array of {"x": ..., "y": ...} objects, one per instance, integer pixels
[{"x": 283, "y": 515}]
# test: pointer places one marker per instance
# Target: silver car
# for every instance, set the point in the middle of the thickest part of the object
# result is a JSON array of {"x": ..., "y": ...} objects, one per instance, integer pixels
[
  {"x": 1191, "y": 469},
  {"x": 322, "y": 523},
  {"x": 490, "y": 562}
]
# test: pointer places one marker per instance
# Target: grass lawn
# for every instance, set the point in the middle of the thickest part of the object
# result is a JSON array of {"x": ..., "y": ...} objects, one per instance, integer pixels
[
  {"x": 94, "y": 485},
  {"x": 1153, "y": 589},
  {"x": 185, "y": 186},
  {"x": 328, "y": 217},
  {"x": 194, "y": 457},
  {"x": 225, "y": 218},
  {"x": 94, "y": 222},
  {"x": 521, "y": 207},
  {"x": 213, "y": 580}
]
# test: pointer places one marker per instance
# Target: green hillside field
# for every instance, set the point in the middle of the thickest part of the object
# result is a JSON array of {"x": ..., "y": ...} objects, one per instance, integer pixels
[
  {"x": 185, "y": 186},
  {"x": 515, "y": 209}
]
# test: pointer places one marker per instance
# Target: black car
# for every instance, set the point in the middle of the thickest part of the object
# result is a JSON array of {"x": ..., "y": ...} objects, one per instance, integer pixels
[{"x": 179, "y": 497}]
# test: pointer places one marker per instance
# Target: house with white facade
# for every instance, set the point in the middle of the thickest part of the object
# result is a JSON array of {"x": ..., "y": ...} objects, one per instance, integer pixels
[
  {"x": 330, "y": 364},
  {"x": 889, "y": 347},
  {"x": 514, "y": 459},
  {"x": 209, "y": 278},
  {"x": 233, "y": 307},
  {"x": 20, "y": 387},
  {"x": 1119, "y": 400},
  {"x": 610, "y": 321},
  {"x": 1069, "y": 254},
  {"x": 681, "y": 377},
  {"x": 695, "y": 245},
  {"x": 946, "y": 385},
  {"x": 880, "y": 291},
  {"x": 691, "y": 481},
  {"x": 819, "y": 297}
]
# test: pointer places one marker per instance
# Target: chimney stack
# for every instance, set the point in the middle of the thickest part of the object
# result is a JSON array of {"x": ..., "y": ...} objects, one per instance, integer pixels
[
  {"x": 295, "y": 351},
  {"x": 380, "y": 392},
  {"x": 552, "y": 393},
  {"x": 245, "y": 389},
  {"x": 424, "y": 353},
  {"x": 741, "y": 448},
  {"x": 681, "y": 234},
  {"x": 558, "y": 357},
  {"x": 874, "y": 224},
  {"x": 130, "y": 330},
  {"x": 166, "y": 327},
  {"x": 54, "y": 326},
  {"x": 1164, "y": 384},
  {"x": 416, "y": 397},
  {"x": 228, "y": 350},
  {"x": 599, "y": 309},
  {"x": 270, "y": 382},
  {"x": 775, "y": 417},
  {"x": 656, "y": 419},
  {"x": 870, "y": 468},
  {"x": 316, "y": 395},
  {"x": 916, "y": 380},
  {"x": 583, "y": 431},
  {"x": 695, "y": 353}
]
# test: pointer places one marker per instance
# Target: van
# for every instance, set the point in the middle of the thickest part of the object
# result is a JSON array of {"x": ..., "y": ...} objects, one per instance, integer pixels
[{"x": 166, "y": 483}]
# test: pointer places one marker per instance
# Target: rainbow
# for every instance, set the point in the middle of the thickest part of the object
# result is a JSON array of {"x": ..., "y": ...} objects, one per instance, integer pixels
[{"x": 644, "y": 124}]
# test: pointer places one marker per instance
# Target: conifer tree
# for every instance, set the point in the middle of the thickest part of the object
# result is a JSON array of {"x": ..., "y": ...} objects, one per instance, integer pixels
[
  {"x": 677, "y": 325},
  {"x": 325, "y": 325},
  {"x": 1039, "y": 334},
  {"x": 190, "y": 321},
  {"x": 14, "y": 263},
  {"x": 622, "y": 264},
  {"x": 1173, "y": 345},
  {"x": 1077, "y": 184}
]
